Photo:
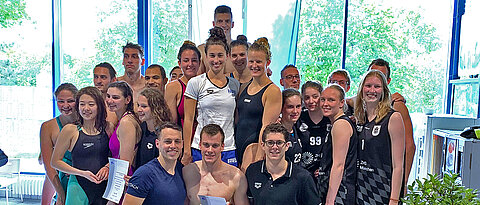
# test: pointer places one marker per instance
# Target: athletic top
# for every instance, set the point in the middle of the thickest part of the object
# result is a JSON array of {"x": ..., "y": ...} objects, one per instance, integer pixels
[
  {"x": 295, "y": 186},
  {"x": 250, "y": 114},
  {"x": 114, "y": 144},
  {"x": 346, "y": 192},
  {"x": 90, "y": 152},
  {"x": 153, "y": 183},
  {"x": 215, "y": 105},
  {"x": 180, "y": 108},
  {"x": 316, "y": 143},
  {"x": 146, "y": 148},
  {"x": 294, "y": 152},
  {"x": 375, "y": 170}
]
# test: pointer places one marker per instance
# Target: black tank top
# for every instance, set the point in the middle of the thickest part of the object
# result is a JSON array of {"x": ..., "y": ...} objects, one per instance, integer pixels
[
  {"x": 313, "y": 137},
  {"x": 147, "y": 149},
  {"x": 250, "y": 114},
  {"x": 294, "y": 152},
  {"x": 346, "y": 192},
  {"x": 375, "y": 162},
  {"x": 90, "y": 152}
]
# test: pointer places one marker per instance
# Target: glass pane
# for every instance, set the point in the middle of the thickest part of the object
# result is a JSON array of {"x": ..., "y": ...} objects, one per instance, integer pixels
[
  {"x": 25, "y": 76},
  {"x": 320, "y": 38},
  {"x": 94, "y": 32},
  {"x": 169, "y": 24},
  {"x": 469, "y": 63},
  {"x": 274, "y": 20},
  {"x": 410, "y": 35},
  {"x": 465, "y": 100}
]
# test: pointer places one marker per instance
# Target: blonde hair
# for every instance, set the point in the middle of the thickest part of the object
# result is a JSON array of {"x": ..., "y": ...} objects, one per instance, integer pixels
[
  {"x": 383, "y": 107},
  {"x": 261, "y": 44},
  {"x": 341, "y": 94}
]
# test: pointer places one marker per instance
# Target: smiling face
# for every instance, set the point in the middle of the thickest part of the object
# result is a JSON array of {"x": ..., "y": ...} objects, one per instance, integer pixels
[
  {"x": 239, "y": 57},
  {"x": 169, "y": 144},
  {"x": 189, "y": 62},
  {"x": 211, "y": 147},
  {"x": 66, "y": 102},
  {"x": 330, "y": 102},
  {"x": 372, "y": 90},
  {"x": 176, "y": 74},
  {"x": 132, "y": 60},
  {"x": 216, "y": 58},
  {"x": 291, "y": 109},
  {"x": 101, "y": 78},
  {"x": 311, "y": 97},
  {"x": 116, "y": 100},
  {"x": 87, "y": 107},
  {"x": 257, "y": 63},
  {"x": 143, "y": 109},
  {"x": 275, "y": 146},
  {"x": 224, "y": 21},
  {"x": 154, "y": 79}
]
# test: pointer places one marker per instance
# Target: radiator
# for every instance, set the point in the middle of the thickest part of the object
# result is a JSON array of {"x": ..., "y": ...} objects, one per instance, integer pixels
[{"x": 30, "y": 186}]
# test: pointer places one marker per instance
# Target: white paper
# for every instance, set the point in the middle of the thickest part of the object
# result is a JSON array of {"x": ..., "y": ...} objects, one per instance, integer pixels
[
  {"x": 116, "y": 183},
  {"x": 211, "y": 200}
]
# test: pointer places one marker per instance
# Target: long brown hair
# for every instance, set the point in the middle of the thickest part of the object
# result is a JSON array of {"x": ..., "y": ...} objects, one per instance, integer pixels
[
  {"x": 157, "y": 105},
  {"x": 383, "y": 107}
]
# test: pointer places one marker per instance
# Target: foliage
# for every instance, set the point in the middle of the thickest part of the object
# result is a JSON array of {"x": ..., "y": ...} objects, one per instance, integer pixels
[
  {"x": 443, "y": 191},
  {"x": 399, "y": 36},
  {"x": 12, "y": 12}
]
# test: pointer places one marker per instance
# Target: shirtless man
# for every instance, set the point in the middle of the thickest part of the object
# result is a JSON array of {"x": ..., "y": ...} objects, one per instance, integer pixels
[
  {"x": 104, "y": 74},
  {"x": 212, "y": 176},
  {"x": 156, "y": 77},
  {"x": 222, "y": 18},
  {"x": 132, "y": 61}
]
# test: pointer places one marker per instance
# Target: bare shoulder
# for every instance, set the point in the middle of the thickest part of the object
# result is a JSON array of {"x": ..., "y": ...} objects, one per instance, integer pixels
[
  {"x": 190, "y": 171},
  {"x": 396, "y": 118},
  {"x": 48, "y": 125},
  {"x": 273, "y": 89},
  {"x": 173, "y": 86}
]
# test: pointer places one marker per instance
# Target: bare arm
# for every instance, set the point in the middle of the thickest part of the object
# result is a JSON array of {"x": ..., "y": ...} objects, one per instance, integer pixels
[
  {"x": 46, "y": 147},
  {"x": 409, "y": 141},
  {"x": 132, "y": 200},
  {"x": 173, "y": 92},
  {"x": 397, "y": 137},
  {"x": 191, "y": 177},
  {"x": 65, "y": 141},
  {"x": 126, "y": 133},
  {"x": 272, "y": 106},
  {"x": 341, "y": 133},
  {"x": 240, "y": 195},
  {"x": 190, "y": 109}
]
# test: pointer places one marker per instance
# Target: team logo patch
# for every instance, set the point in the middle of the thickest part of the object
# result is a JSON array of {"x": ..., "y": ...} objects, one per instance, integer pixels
[
  {"x": 329, "y": 127},
  {"x": 359, "y": 128},
  {"x": 246, "y": 100},
  {"x": 307, "y": 158},
  {"x": 87, "y": 145},
  {"x": 149, "y": 145},
  {"x": 209, "y": 91},
  {"x": 303, "y": 127},
  {"x": 376, "y": 130},
  {"x": 258, "y": 185}
]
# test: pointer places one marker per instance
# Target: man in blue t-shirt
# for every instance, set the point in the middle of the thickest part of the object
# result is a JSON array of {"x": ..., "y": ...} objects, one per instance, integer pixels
[{"x": 160, "y": 180}]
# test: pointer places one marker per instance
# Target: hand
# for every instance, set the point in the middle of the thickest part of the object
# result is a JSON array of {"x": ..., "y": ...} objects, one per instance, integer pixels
[
  {"x": 91, "y": 177},
  {"x": 111, "y": 203},
  {"x": 396, "y": 97},
  {"x": 126, "y": 178},
  {"x": 102, "y": 174},
  {"x": 187, "y": 158}
]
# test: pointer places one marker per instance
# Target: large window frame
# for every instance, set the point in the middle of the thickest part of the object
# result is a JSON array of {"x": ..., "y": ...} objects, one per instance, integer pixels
[{"x": 145, "y": 36}]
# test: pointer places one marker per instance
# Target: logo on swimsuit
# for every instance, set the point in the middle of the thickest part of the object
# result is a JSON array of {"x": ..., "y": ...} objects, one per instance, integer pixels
[
  {"x": 307, "y": 158},
  {"x": 303, "y": 127},
  {"x": 329, "y": 127},
  {"x": 149, "y": 145},
  {"x": 376, "y": 130},
  {"x": 258, "y": 185},
  {"x": 247, "y": 100},
  {"x": 209, "y": 91},
  {"x": 359, "y": 128},
  {"x": 87, "y": 145}
]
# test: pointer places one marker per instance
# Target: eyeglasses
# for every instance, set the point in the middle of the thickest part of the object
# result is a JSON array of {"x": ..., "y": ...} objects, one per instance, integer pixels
[
  {"x": 279, "y": 143},
  {"x": 339, "y": 82},
  {"x": 291, "y": 77}
]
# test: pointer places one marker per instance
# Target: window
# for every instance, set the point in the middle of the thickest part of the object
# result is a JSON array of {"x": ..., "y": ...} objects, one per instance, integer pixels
[
  {"x": 414, "y": 39},
  {"x": 320, "y": 38},
  {"x": 169, "y": 25},
  {"x": 94, "y": 32},
  {"x": 25, "y": 75},
  {"x": 469, "y": 63}
]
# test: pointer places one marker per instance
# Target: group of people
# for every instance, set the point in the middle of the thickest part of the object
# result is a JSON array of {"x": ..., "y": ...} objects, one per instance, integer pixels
[{"x": 220, "y": 127}]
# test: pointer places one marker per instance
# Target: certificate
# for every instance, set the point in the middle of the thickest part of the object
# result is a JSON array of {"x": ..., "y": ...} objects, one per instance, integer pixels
[
  {"x": 211, "y": 200},
  {"x": 116, "y": 183}
]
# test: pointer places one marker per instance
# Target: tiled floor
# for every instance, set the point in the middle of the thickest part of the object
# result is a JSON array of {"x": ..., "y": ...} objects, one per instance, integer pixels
[{"x": 16, "y": 201}]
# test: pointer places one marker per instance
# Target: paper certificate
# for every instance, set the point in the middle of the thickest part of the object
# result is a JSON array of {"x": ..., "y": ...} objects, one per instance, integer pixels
[
  {"x": 211, "y": 200},
  {"x": 116, "y": 183}
]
